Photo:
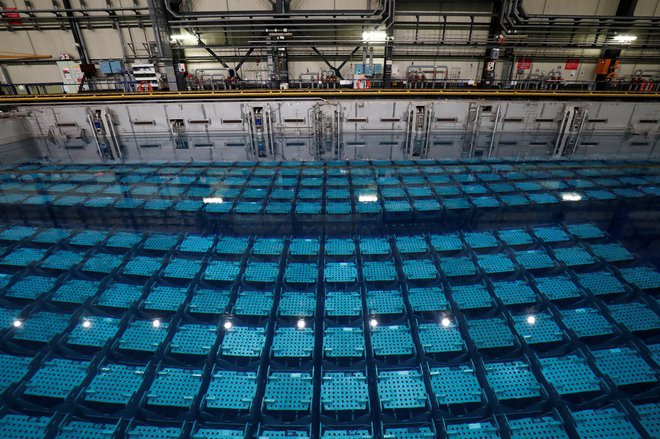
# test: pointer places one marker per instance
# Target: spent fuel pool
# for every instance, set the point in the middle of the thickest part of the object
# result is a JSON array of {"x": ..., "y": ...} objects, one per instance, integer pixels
[{"x": 361, "y": 299}]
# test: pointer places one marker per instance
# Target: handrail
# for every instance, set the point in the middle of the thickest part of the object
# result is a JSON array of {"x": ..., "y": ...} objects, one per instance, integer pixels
[
  {"x": 325, "y": 93},
  {"x": 541, "y": 83}
]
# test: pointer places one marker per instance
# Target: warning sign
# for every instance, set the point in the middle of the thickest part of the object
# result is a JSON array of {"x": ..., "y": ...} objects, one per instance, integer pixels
[
  {"x": 572, "y": 64},
  {"x": 13, "y": 17},
  {"x": 524, "y": 63}
]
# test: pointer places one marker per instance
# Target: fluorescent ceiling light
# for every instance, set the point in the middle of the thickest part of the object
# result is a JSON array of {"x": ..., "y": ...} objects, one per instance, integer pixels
[
  {"x": 214, "y": 200},
  {"x": 367, "y": 198},
  {"x": 624, "y": 38},
  {"x": 183, "y": 37},
  {"x": 374, "y": 36}
]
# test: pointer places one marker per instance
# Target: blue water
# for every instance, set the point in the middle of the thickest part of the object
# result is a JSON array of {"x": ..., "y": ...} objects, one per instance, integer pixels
[{"x": 370, "y": 299}]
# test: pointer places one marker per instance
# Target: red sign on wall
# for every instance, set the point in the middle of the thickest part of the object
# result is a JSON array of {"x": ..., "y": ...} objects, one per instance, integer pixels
[
  {"x": 572, "y": 64},
  {"x": 13, "y": 18},
  {"x": 524, "y": 63}
]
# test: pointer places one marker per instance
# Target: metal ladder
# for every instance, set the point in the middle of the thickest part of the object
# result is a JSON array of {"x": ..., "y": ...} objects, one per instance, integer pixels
[
  {"x": 570, "y": 130},
  {"x": 472, "y": 128},
  {"x": 418, "y": 130},
  {"x": 327, "y": 132},
  {"x": 261, "y": 144}
]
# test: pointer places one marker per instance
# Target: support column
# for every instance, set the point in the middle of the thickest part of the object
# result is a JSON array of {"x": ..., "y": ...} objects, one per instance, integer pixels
[
  {"x": 85, "y": 66},
  {"x": 7, "y": 79},
  {"x": 278, "y": 6},
  {"x": 492, "y": 53},
  {"x": 609, "y": 60},
  {"x": 162, "y": 32},
  {"x": 389, "y": 48},
  {"x": 77, "y": 35},
  {"x": 278, "y": 59}
]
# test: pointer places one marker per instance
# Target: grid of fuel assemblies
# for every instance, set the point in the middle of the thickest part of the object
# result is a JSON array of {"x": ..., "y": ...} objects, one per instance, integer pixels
[
  {"x": 546, "y": 331},
  {"x": 337, "y": 189}
]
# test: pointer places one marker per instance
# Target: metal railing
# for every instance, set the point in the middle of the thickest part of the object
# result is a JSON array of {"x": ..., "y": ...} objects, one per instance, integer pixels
[{"x": 123, "y": 85}]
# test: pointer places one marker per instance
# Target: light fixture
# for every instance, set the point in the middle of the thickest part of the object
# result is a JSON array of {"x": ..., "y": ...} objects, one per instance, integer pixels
[
  {"x": 445, "y": 322},
  {"x": 300, "y": 324},
  {"x": 183, "y": 37},
  {"x": 570, "y": 196},
  {"x": 213, "y": 200},
  {"x": 624, "y": 38},
  {"x": 374, "y": 36},
  {"x": 368, "y": 198},
  {"x": 227, "y": 325},
  {"x": 373, "y": 323},
  {"x": 531, "y": 320},
  {"x": 87, "y": 324},
  {"x": 17, "y": 323},
  {"x": 156, "y": 323}
]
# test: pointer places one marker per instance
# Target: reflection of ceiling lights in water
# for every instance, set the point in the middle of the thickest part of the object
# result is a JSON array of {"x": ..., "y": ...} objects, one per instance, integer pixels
[
  {"x": 369, "y": 198},
  {"x": 570, "y": 196},
  {"x": 531, "y": 320},
  {"x": 216, "y": 200}
]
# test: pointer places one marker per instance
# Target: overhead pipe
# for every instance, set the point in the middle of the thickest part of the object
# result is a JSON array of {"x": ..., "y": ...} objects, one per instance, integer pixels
[
  {"x": 285, "y": 19},
  {"x": 322, "y": 27},
  {"x": 275, "y": 22},
  {"x": 358, "y": 24},
  {"x": 272, "y": 21},
  {"x": 648, "y": 60},
  {"x": 559, "y": 27},
  {"x": 522, "y": 19},
  {"x": 60, "y": 22},
  {"x": 353, "y": 42},
  {"x": 506, "y": 16},
  {"x": 444, "y": 14},
  {"x": 250, "y": 24},
  {"x": 211, "y": 14},
  {"x": 91, "y": 18},
  {"x": 312, "y": 26},
  {"x": 60, "y": 10}
]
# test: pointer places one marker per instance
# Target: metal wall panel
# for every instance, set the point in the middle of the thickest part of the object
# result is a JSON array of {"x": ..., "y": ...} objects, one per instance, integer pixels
[{"x": 369, "y": 129}]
